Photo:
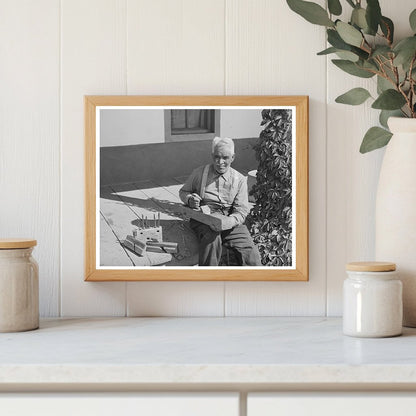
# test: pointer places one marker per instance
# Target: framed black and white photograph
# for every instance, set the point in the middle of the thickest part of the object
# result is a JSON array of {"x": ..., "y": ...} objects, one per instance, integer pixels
[{"x": 196, "y": 187}]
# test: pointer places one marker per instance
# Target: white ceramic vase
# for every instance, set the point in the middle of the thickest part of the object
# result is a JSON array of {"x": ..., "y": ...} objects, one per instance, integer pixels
[{"x": 396, "y": 210}]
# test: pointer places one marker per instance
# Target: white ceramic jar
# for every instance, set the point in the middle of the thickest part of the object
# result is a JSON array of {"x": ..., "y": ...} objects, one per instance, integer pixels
[
  {"x": 372, "y": 300},
  {"x": 19, "y": 286}
]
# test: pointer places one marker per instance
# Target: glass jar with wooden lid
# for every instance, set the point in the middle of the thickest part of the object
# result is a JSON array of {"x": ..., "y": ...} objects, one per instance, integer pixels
[
  {"x": 372, "y": 300},
  {"x": 19, "y": 286}
]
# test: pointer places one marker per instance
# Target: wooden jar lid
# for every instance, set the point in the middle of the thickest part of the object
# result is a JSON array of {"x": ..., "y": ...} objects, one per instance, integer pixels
[
  {"x": 371, "y": 266},
  {"x": 11, "y": 243}
]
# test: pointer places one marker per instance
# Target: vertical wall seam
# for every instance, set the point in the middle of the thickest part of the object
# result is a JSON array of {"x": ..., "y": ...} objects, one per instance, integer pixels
[
  {"x": 326, "y": 187},
  {"x": 60, "y": 66},
  {"x": 326, "y": 183},
  {"x": 243, "y": 397},
  {"x": 126, "y": 53},
  {"x": 126, "y": 91},
  {"x": 225, "y": 47},
  {"x": 225, "y": 93}
]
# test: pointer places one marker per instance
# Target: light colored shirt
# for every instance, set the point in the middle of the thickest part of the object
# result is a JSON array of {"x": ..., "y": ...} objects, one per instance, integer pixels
[{"x": 226, "y": 193}]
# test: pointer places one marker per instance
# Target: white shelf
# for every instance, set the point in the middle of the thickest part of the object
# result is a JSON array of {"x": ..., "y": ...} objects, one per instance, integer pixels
[{"x": 179, "y": 352}]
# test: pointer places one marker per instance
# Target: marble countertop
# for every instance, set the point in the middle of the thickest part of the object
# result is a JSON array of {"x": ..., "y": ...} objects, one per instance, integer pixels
[{"x": 204, "y": 351}]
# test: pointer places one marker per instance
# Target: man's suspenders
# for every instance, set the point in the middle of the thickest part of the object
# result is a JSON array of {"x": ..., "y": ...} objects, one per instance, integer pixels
[{"x": 204, "y": 181}]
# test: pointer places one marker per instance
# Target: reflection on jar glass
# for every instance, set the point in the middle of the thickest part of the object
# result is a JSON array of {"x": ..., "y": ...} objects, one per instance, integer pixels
[{"x": 372, "y": 300}]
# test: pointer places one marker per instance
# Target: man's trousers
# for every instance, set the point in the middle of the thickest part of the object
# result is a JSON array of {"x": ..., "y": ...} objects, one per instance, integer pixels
[{"x": 238, "y": 239}]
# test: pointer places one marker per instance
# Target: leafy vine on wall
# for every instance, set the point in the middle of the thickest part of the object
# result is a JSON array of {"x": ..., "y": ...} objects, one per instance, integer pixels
[{"x": 270, "y": 220}]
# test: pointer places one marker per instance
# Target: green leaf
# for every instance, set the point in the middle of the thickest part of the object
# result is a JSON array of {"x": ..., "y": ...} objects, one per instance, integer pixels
[
  {"x": 373, "y": 15},
  {"x": 355, "y": 96},
  {"x": 387, "y": 27},
  {"x": 386, "y": 114},
  {"x": 412, "y": 20},
  {"x": 358, "y": 18},
  {"x": 334, "y": 7},
  {"x": 383, "y": 84},
  {"x": 348, "y": 56},
  {"x": 336, "y": 41},
  {"x": 352, "y": 68},
  {"x": 405, "y": 50},
  {"x": 349, "y": 34},
  {"x": 389, "y": 100},
  {"x": 311, "y": 12},
  {"x": 327, "y": 51},
  {"x": 351, "y": 3},
  {"x": 381, "y": 50},
  {"x": 375, "y": 138},
  {"x": 370, "y": 65}
]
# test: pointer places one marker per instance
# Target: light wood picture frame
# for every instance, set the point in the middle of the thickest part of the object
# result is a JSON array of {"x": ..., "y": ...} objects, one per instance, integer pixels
[{"x": 133, "y": 172}]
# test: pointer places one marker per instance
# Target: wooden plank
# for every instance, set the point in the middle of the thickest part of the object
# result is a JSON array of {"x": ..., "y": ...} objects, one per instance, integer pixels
[
  {"x": 141, "y": 203},
  {"x": 93, "y": 61},
  {"x": 111, "y": 252},
  {"x": 174, "y": 191},
  {"x": 173, "y": 225},
  {"x": 207, "y": 219},
  {"x": 161, "y": 197},
  {"x": 29, "y": 136},
  {"x": 122, "y": 221},
  {"x": 172, "y": 186}
]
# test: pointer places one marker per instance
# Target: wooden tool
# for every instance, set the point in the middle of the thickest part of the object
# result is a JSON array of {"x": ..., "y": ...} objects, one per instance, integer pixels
[
  {"x": 209, "y": 219},
  {"x": 149, "y": 233},
  {"x": 162, "y": 247},
  {"x": 134, "y": 245}
]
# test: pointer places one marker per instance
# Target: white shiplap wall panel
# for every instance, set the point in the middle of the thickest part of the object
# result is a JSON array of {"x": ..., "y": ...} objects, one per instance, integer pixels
[
  {"x": 267, "y": 54},
  {"x": 29, "y": 135},
  {"x": 93, "y": 62},
  {"x": 175, "y": 48},
  {"x": 175, "y": 299},
  {"x": 352, "y": 177}
]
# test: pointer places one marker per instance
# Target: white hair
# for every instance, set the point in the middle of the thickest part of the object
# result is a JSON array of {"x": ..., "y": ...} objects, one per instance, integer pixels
[{"x": 223, "y": 142}]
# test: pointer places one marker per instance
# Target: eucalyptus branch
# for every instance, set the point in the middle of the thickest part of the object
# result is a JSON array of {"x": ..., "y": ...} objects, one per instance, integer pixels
[
  {"x": 406, "y": 97},
  {"x": 384, "y": 73},
  {"x": 395, "y": 71},
  {"x": 371, "y": 70},
  {"x": 412, "y": 85},
  {"x": 386, "y": 37},
  {"x": 380, "y": 64},
  {"x": 377, "y": 55},
  {"x": 366, "y": 43}
]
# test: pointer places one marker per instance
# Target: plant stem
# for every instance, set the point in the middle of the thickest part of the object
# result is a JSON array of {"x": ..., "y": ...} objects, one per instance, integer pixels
[
  {"x": 384, "y": 73},
  {"x": 406, "y": 97},
  {"x": 412, "y": 86}
]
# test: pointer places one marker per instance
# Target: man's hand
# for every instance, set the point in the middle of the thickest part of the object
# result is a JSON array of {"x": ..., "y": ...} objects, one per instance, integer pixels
[
  {"x": 227, "y": 222},
  {"x": 194, "y": 201}
]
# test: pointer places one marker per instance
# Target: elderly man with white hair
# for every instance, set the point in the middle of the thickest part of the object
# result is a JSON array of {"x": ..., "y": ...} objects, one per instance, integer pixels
[{"x": 224, "y": 191}]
